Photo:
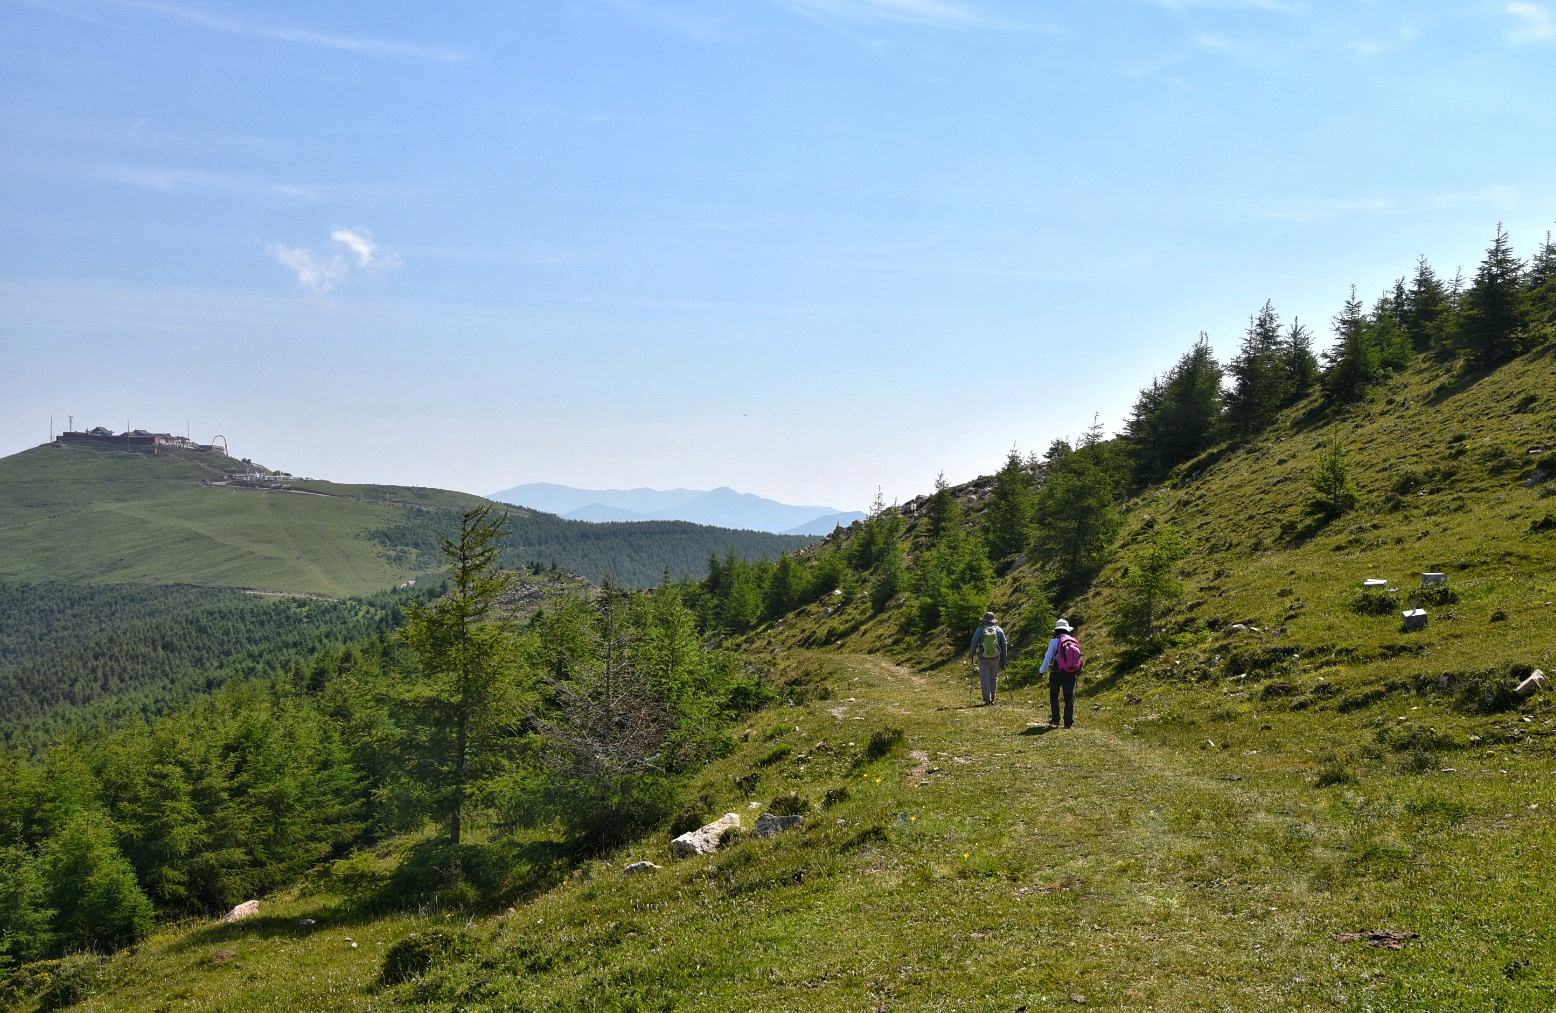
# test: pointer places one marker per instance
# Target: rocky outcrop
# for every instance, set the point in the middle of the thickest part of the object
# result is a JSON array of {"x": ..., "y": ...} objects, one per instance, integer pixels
[{"x": 705, "y": 840}]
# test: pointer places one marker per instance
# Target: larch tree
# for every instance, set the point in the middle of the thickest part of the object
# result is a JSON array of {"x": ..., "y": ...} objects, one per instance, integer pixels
[{"x": 462, "y": 707}]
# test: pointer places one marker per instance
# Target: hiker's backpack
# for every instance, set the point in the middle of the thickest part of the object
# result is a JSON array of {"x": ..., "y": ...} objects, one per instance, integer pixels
[
  {"x": 1068, "y": 656},
  {"x": 991, "y": 641}
]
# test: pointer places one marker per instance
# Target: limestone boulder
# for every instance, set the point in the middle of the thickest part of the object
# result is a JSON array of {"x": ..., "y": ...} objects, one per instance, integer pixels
[
  {"x": 704, "y": 840},
  {"x": 638, "y": 868},
  {"x": 247, "y": 909}
]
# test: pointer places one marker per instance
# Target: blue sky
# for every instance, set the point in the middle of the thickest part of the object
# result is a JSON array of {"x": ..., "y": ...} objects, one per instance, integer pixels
[{"x": 804, "y": 248}]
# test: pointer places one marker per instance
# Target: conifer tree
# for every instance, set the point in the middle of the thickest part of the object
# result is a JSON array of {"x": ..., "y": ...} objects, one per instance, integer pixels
[
  {"x": 1488, "y": 327},
  {"x": 463, "y": 706},
  {"x": 1334, "y": 494},
  {"x": 1008, "y": 521},
  {"x": 942, "y": 513},
  {"x": 92, "y": 888},
  {"x": 1353, "y": 361},
  {"x": 1076, "y": 516},
  {"x": 1299, "y": 363},
  {"x": 1426, "y": 309},
  {"x": 1151, "y": 585},
  {"x": 1258, "y": 377},
  {"x": 1178, "y": 417}
]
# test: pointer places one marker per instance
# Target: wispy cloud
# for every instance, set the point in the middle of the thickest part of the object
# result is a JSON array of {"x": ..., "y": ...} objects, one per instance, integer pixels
[
  {"x": 231, "y": 24},
  {"x": 153, "y": 178},
  {"x": 349, "y": 252},
  {"x": 1403, "y": 38},
  {"x": 1533, "y": 23}
]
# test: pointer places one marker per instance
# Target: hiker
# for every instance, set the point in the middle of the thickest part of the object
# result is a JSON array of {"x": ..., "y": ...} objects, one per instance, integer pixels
[
  {"x": 1064, "y": 658},
  {"x": 990, "y": 652}
]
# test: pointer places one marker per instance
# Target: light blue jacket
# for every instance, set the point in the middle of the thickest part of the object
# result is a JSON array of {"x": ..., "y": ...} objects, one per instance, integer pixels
[{"x": 1048, "y": 658}]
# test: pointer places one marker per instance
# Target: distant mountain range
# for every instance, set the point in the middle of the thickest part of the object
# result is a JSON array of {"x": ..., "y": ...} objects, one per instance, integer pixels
[{"x": 722, "y": 507}]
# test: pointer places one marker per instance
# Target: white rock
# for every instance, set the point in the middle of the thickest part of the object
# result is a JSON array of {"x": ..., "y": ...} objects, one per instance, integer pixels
[
  {"x": 639, "y": 867},
  {"x": 247, "y": 909},
  {"x": 1373, "y": 583},
  {"x": 1531, "y": 684},
  {"x": 1428, "y": 579},
  {"x": 704, "y": 841},
  {"x": 1415, "y": 619}
]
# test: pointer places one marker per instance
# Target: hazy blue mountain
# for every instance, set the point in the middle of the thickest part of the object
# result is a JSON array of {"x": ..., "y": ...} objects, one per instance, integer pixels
[
  {"x": 650, "y": 504},
  {"x": 721, "y": 507}
]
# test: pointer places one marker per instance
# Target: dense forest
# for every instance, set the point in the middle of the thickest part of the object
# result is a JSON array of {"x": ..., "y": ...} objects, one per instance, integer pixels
[
  {"x": 510, "y": 745},
  {"x": 580, "y": 721},
  {"x": 84, "y": 658}
]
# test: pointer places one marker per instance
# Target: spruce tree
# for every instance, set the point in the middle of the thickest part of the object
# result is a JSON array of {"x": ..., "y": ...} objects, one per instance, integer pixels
[
  {"x": 1176, "y": 418},
  {"x": 1258, "y": 379},
  {"x": 1009, "y": 518},
  {"x": 1426, "y": 309},
  {"x": 1299, "y": 363},
  {"x": 1352, "y": 364},
  {"x": 1076, "y": 515},
  {"x": 1150, "y": 586},
  {"x": 1489, "y": 326}
]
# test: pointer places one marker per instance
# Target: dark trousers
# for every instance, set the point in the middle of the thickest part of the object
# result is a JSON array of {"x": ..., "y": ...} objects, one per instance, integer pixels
[{"x": 1065, "y": 681}]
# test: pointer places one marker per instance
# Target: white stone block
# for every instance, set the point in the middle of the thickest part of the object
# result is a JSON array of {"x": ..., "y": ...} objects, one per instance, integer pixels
[
  {"x": 1415, "y": 619},
  {"x": 1375, "y": 584},
  {"x": 1428, "y": 579}
]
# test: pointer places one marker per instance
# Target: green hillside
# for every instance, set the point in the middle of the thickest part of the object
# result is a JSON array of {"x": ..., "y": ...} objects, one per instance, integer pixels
[
  {"x": 1231, "y": 805},
  {"x": 70, "y": 514},
  {"x": 1278, "y": 793}
]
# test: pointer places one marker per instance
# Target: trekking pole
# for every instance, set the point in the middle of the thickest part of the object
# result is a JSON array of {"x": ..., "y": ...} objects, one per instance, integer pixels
[{"x": 972, "y": 687}]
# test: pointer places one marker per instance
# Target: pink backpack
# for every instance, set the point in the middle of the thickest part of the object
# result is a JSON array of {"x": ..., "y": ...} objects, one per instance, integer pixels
[{"x": 1068, "y": 656}]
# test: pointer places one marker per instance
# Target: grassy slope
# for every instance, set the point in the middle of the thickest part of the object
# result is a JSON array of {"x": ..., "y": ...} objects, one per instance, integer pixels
[
  {"x": 1177, "y": 851},
  {"x": 978, "y": 868},
  {"x": 118, "y": 517},
  {"x": 115, "y": 517}
]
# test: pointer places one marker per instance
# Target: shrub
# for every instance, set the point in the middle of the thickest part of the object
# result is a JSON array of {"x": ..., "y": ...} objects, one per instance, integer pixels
[
  {"x": 1374, "y": 603},
  {"x": 694, "y": 814},
  {"x": 882, "y": 742},
  {"x": 419, "y": 952},
  {"x": 835, "y": 796},
  {"x": 792, "y": 804},
  {"x": 777, "y": 755},
  {"x": 1335, "y": 772}
]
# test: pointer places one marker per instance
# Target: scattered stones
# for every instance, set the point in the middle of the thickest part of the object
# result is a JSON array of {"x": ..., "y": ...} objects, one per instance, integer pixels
[
  {"x": 247, "y": 909},
  {"x": 1531, "y": 685},
  {"x": 1383, "y": 939},
  {"x": 705, "y": 840},
  {"x": 636, "y": 868},
  {"x": 1415, "y": 619},
  {"x": 768, "y": 825},
  {"x": 306, "y": 922}
]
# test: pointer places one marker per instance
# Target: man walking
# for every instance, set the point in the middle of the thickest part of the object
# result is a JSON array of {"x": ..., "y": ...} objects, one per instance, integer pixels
[
  {"x": 1062, "y": 664},
  {"x": 990, "y": 652}
]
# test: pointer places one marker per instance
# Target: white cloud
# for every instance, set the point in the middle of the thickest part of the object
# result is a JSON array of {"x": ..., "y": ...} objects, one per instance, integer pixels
[
  {"x": 232, "y": 25},
  {"x": 1534, "y": 23},
  {"x": 350, "y": 251}
]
